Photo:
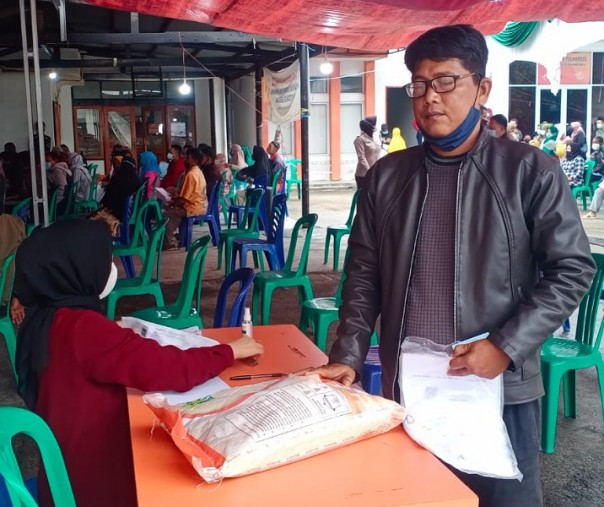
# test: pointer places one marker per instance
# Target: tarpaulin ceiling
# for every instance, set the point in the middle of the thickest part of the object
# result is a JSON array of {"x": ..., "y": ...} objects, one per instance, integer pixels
[{"x": 374, "y": 25}]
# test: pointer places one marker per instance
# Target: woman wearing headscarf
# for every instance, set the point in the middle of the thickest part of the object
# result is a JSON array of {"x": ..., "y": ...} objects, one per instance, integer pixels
[
  {"x": 149, "y": 170},
  {"x": 123, "y": 183},
  {"x": 550, "y": 141},
  {"x": 237, "y": 157},
  {"x": 247, "y": 154},
  {"x": 80, "y": 176},
  {"x": 224, "y": 167},
  {"x": 368, "y": 151},
  {"x": 74, "y": 364},
  {"x": 397, "y": 142},
  {"x": 260, "y": 168},
  {"x": 208, "y": 167},
  {"x": 577, "y": 139}
]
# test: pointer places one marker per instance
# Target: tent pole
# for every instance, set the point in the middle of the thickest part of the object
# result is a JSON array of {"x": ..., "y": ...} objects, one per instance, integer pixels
[
  {"x": 304, "y": 107},
  {"x": 30, "y": 125},
  {"x": 258, "y": 78},
  {"x": 40, "y": 119}
]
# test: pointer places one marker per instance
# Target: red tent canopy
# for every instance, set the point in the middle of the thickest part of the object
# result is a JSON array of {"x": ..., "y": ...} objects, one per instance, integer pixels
[{"x": 374, "y": 25}]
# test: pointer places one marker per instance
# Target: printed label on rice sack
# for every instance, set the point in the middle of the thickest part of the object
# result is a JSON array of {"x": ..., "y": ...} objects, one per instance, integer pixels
[{"x": 288, "y": 409}]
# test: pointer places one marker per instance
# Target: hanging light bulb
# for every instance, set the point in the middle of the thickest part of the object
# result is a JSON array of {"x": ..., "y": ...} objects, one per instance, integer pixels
[
  {"x": 326, "y": 68},
  {"x": 52, "y": 75},
  {"x": 184, "y": 88}
]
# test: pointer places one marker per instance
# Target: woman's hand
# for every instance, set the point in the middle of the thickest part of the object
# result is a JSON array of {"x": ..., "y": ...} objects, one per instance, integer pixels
[{"x": 246, "y": 347}]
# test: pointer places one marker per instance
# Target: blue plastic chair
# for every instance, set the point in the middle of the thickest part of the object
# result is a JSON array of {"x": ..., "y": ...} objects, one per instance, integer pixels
[
  {"x": 272, "y": 246},
  {"x": 211, "y": 217},
  {"x": 22, "y": 209},
  {"x": 238, "y": 210},
  {"x": 245, "y": 277}
]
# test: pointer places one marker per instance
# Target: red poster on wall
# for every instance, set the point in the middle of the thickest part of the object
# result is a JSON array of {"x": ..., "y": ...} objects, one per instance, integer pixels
[{"x": 574, "y": 69}]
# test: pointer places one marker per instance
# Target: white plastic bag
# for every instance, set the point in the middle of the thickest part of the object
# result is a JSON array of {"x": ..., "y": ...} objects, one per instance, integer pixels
[{"x": 458, "y": 419}]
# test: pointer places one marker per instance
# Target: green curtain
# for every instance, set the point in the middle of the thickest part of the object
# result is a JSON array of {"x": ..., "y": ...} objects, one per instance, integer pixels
[{"x": 514, "y": 34}]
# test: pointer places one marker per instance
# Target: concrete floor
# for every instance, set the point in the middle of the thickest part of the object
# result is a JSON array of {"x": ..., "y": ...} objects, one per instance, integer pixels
[{"x": 573, "y": 476}]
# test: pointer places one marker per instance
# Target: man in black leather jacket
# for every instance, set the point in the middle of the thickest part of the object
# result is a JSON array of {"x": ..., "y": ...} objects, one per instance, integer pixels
[{"x": 466, "y": 234}]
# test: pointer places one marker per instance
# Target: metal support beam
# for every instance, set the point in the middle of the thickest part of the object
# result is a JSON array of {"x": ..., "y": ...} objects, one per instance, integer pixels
[
  {"x": 258, "y": 79},
  {"x": 134, "y": 25},
  {"x": 166, "y": 37},
  {"x": 304, "y": 106},
  {"x": 30, "y": 126},
  {"x": 60, "y": 6}
]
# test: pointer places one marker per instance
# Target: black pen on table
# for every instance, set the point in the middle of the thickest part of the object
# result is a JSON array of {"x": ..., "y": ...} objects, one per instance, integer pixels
[{"x": 259, "y": 375}]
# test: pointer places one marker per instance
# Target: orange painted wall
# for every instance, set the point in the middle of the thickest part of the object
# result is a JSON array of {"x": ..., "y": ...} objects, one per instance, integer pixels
[
  {"x": 334, "y": 122},
  {"x": 369, "y": 88}
]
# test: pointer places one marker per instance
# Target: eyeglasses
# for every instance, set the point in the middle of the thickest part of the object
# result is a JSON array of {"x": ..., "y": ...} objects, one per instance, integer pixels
[{"x": 440, "y": 84}]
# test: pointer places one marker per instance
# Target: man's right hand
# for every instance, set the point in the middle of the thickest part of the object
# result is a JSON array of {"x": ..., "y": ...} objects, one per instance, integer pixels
[
  {"x": 17, "y": 312},
  {"x": 341, "y": 373}
]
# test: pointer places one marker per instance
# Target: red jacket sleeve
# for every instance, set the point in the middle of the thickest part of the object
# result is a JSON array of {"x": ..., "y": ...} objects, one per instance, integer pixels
[{"x": 111, "y": 354}]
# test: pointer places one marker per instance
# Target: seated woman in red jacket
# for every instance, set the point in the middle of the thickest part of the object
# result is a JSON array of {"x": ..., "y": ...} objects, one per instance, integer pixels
[{"x": 74, "y": 364}]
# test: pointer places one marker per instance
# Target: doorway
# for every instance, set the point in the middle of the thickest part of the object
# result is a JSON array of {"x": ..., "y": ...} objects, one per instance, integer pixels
[
  {"x": 399, "y": 113},
  {"x": 566, "y": 106}
]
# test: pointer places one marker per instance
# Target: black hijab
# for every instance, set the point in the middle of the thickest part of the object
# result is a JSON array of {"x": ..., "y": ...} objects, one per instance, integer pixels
[
  {"x": 124, "y": 182},
  {"x": 64, "y": 265},
  {"x": 260, "y": 167}
]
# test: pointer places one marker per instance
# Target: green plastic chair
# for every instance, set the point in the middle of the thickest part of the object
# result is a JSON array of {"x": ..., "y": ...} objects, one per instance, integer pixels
[
  {"x": 232, "y": 191},
  {"x": 265, "y": 283},
  {"x": 22, "y": 209},
  {"x": 90, "y": 204},
  {"x": 585, "y": 190},
  {"x": 338, "y": 232},
  {"x": 222, "y": 199},
  {"x": 137, "y": 201},
  {"x": 6, "y": 325},
  {"x": 180, "y": 315},
  {"x": 70, "y": 204},
  {"x": 253, "y": 202},
  {"x": 560, "y": 358},
  {"x": 92, "y": 169},
  {"x": 292, "y": 176},
  {"x": 52, "y": 206},
  {"x": 138, "y": 240},
  {"x": 146, "y": 282},
  {"x": 15, "y": 421}
]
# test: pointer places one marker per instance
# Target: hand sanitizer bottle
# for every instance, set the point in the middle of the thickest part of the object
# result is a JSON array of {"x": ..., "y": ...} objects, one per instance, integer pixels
[{"x": 246, "y": 324}]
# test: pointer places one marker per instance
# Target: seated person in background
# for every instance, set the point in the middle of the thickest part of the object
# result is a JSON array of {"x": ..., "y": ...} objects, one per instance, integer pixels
[
  {"x": 124, "y": 182},
  {"x": 397, "y": 143},
  {"x": 176, "y": 167},
  {"x": 59, "y": 175},
  {"x": 260, "y": 167},
  {"x": 277, "y": 165},
  {"x": 574, "y": 166},
  {"x": 74, "y": 364},
  {"x": 12, "y": 169},
  {"x": 597, "y": 155},
  {"x": 149, "y": 170},
  {"x": 12, "y": 233},
  {"x": 211, "y": 173},
  {"x": 224, "y": 167},
  {"x": 499, "y": 123},
  {"x": 190, "y": 200},
  {"x": 237, "y": 157},
  {"x": 514, "y": 133},
  {"x": 80, "y": 176}
]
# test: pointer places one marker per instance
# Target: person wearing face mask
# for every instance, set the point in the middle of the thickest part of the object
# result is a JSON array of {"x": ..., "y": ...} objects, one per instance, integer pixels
[
  {"x": 597, "y": 155},
  {"x": 74, "y": 364},
  {"x": 576, "y": 138},
  {"x": 175, "y": 168},
  {"x": 461, "y": 236},
  {"x": 59, "y": 175},
  {"x": 600, "y": 127}
]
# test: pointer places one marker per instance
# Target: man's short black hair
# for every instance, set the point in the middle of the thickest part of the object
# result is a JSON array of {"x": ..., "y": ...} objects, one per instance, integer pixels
[
  {"x": 176, "y": 147},
  {"x": 501, "y": 120},
  {"x": 462, "y": 42},
  {"x": 195, "y": 154},
  {"x": 599, "y": 139}
]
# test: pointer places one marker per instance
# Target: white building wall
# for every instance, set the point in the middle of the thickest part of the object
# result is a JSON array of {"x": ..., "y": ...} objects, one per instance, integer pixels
[{"x": 244, "y": 110}]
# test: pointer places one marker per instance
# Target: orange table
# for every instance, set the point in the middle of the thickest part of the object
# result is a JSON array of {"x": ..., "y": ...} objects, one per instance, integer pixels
[{"x": 387, "y": 470}]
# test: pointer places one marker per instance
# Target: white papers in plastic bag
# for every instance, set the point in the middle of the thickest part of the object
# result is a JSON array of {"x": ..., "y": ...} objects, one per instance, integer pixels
[{"x": 458, "y": 419}]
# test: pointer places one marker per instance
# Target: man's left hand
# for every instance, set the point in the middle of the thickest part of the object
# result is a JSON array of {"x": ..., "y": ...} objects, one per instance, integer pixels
[{"x": 481, "y": 358}]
